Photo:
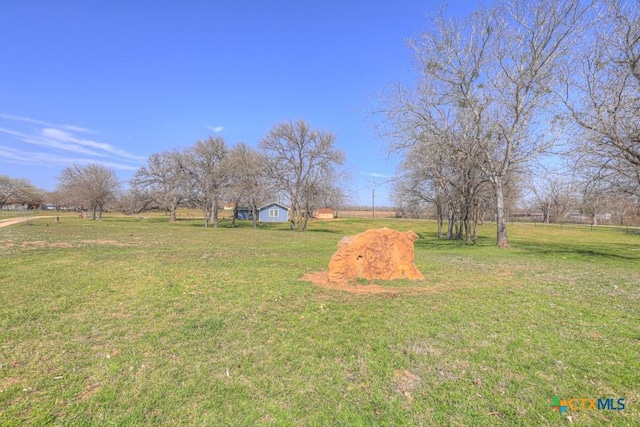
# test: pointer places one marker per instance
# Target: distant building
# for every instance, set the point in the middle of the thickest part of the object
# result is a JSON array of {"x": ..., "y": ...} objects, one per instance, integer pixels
[
  {"x": 244, "y": 213},
  {"x": 527, "y": 216},
  {"x": 575, "y": 215},
  {"x": 273, "y": 212},
  {"x": 604, "y": 216},
  {"x": 326, "y": 213},
  {"x": 229, "y": 206}
]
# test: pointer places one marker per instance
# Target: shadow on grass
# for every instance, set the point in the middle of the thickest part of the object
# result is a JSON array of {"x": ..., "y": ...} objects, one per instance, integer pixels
[
  {"x": 325, "y": 230},
  {"x": 567, "y": 249},
  {"x": 431, "y": 240},
  {"x": 610, "y": 251}
]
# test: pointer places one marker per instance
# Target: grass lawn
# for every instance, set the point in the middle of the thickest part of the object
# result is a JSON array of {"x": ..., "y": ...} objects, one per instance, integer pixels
[{"x": 131, "y": 321}]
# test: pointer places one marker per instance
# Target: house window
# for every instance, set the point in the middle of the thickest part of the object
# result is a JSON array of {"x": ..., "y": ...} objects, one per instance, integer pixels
[{"x": 273, "y": 213}]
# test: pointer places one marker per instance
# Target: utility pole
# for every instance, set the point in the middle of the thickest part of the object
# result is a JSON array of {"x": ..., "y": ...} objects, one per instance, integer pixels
[{"x": 373, "y": 202}]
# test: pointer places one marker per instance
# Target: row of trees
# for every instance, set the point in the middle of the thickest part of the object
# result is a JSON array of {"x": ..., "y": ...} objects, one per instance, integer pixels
[
  {"x": 501, "y": 88},
  {"x": 551, "y": 198},
  {"x": 293, "y": 163},
  {"x": 558, "y": 198}
]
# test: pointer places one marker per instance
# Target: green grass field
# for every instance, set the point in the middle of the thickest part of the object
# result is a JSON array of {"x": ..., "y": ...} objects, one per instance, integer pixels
[{"x": 132, "y": 321}]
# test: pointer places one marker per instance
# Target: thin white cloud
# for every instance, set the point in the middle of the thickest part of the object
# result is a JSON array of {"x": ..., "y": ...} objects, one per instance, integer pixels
[
  {"x": 51, "y": 143},
  {"x": 375, "y": 175},
  {"x": 64, "y": 138},
  {"x": 48, "y": 159},
  {"x": 43, "y": 123},
  {"x": 216, "y": 129}
]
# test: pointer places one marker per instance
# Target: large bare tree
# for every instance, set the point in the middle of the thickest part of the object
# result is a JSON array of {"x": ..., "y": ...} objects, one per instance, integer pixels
[
  {"x": 163, "y": 181},
  {"x": 204, "y": 165},
  {"x": 436, "y": 172},
  {"x": 89, "y": 187},
  {"x": 486, "y": 85},
  {"x": 298, "y": 160},
  {"x": 602, "y": 92}
]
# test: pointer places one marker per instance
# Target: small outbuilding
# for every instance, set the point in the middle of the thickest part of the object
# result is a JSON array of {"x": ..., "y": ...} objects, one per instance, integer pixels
[
  {"x": 243, "y": 213},
  {"x": 326, "y": 213},
  {"x": 273, "y": 212}
]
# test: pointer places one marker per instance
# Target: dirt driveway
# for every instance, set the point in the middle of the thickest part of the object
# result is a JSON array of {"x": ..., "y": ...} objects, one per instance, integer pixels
[{"x": 11, "y": 221}]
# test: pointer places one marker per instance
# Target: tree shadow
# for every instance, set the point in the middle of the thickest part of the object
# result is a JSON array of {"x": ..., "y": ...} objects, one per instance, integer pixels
[
  {"x": 431, "y": 240},
  {"x": 616, "y": 251}
]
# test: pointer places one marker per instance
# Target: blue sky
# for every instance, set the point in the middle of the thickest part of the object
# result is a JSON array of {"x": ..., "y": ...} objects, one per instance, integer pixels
[{"x": 113, "y": 82}]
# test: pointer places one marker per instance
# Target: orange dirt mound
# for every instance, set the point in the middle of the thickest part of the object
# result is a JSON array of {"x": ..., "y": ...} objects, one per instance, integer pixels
[{"x": 375, "y": 254}]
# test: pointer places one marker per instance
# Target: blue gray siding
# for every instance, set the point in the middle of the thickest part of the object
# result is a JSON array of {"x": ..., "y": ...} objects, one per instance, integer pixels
[{"x": 273, "y": 213}]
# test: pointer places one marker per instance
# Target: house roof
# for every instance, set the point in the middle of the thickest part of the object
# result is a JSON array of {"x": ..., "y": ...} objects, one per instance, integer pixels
[
  {"x": 273, "y": 203},
  {"x": 324, "y": 211}
]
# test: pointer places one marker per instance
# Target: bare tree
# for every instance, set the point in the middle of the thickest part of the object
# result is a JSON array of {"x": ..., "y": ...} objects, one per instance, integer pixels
[
  {"x": 486, "y": 84},
  {"x": 134, "y": 201},
  {"x": 92, "y": 186},
  {"x": 601, "y": 93},
  {"x": 327, "y": 192},
  {"x": 19, "y": 191},
  {"x": 554, "y": 196},
  {"x": 163, "y": 181},
  {"x": 248, "y": 183},
  {"x": 412, "y": 201},
  {"x": 435, "y": 171},
  {"x": 595, "y": 199},
  {"x": 622, "y": 206},
  {"x": 206, "y": 175},
  {"x": 298, "y": 159}
]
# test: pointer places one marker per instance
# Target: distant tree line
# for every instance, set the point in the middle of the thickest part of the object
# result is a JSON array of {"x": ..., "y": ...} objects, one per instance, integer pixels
[
  {"x": 502, "y": 88},
  {"x": 293, "y": 163}
]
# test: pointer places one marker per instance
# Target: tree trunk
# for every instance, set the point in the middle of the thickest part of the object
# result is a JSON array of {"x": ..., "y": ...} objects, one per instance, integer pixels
[
  {"x": 501, "y": 223},
  {"x": 254, "y": 214},
  {"x": 305, "y": 218},
  {"x": 459, "y": 230},
  {"x": 440, "y": 217},
  {"x": 234, "y": 214},
  {"x": 467, "y": 228},
  {"x": 296, "y": 216},
  {"x": 172, "y": 211},
  {"x": 546, "y": 213},
  {"x": 205, "y": 213},
  {"x": 451, "y": 218},
  {"x": 214, "y": 213},
  {"x": 474, "y": 229}
]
